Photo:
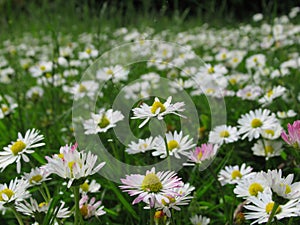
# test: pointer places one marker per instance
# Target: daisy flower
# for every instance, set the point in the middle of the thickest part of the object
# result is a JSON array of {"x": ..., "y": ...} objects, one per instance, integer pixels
[
  {"x": 223, "y": 134},
  {"x": 115, "y": 73},
  {"x": 271, "y": 95},
  {"x": 202, "y": 156},
  {"x": 14, "y": 192},
  {"x": 102, "y": 121},
  {"x": 151, "y": 188},
  {"x": 73, "y": 165},
  {"x": 233, "y": 174},
  {"x": 177, "y": 145},
  {"x": 141, "y": 146},
  {"x": 260, "y": 208},
  {"x": 251, "y": 185},
  {"x": 267, "y": 148},
  {"x": 35, "y": 93},
  {"x": 158, "y": 110},
  {"x": 87, "y": 88},
  {"x": 249, "y": 92},
  {"x": 273, "y": 132},
  {"x": 293, "y": 136},
  {"x": 7, "y": 106},
  {"x": 199, "y": 219},
  {"x": 17, "y": 150},
  {"x": 32, "y": 208},
  {"x": 253, "y": 124},
  {"x": 90, "y": 208},
  {"x": 37, "y": 176},
  {"x": 91, "y": 187},
  {"x": 288, "y": 114},
  {"x": 283, "y": 186}
]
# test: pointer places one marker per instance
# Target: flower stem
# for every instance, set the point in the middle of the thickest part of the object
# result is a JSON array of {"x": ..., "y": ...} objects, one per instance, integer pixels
[
  {"x": 17, "y": 215},
  {"x": 152, "y": 211},
  {"x": 274, "y": 209},
  {"x": 77, "y": 216}
]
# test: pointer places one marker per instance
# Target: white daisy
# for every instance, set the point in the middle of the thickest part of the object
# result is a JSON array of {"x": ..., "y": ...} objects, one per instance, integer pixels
[
  {"x": 35, "y": 93},
  {"x": 37, "y": 176},
  {"x": 87, "y": 88},
  {"x": 90, "y": 187},
  {"x": 7, "y": 106},
  {"x": 14, "y": 192},
  {"x": 177, "y": 145},
  {"x": 253, "y": 124},
  {"x": 273, "y": 132},
  {"x": 102, "y": 121},
  {"x": 267, "y": 148},
  {"x": 90, "y": 208},
  {"x": 141, "y": 146},
  {"x": 115, "y": 73},
  {"x": 249, "y": 92},
  {"x": 200, "y": 220},
  {"x": 233, "y": 174},
  {"x": 271, "y": 95},
  {"x": 223, "y": 134},
  {"x": 158, "y": 110},
  {"x": 261, "y": 208},
  {"x": 17, "y": 150},
  {"x": 73, "y": 165},
  {"x": 251, "y": 185},
  {"x": 288, "y": 114}
]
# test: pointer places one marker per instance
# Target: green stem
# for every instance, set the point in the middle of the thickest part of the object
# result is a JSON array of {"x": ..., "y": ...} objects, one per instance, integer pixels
[
  {"x": 43, "y": 194},
  {"x": 47, "y": 191},
  {"x": 274, "y": 209},
  {"x": 77, "y": 216},
  {"x": 17, "y": 215},
  {"x": 152, "y": 212}
]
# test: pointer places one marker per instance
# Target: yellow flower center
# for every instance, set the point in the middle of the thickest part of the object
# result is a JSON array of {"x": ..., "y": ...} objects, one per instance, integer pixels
[
  {"x": 171, "y": 200},
  {"x": 9, "y": 193},
  {"x": 104, "y": 122},
  {"x": 42, "y": 204},
  {"x": 172, "y": 145},
  {"x": 269, "y": 149},
  {"x": 84, "y": 210},
  {"x": 224, "y": 134},
  {"x": 233, "y": 81},
  {"x": 248, "y": 94},
  {"x": 200, "y": 154},
  {"x": 4, "y": 109},
  {"x": 256, "y": 123},
  {"x": 211, "y": 70},
  {"x": 236, "y": 174},
  {"x": 255, "y": 59},
  {"x": 157, "y": 105},
  {"x": 269, "y": 208},
  {"x": 70, "y": 165},
  {"x": 85, "y": 187},
  {"x": 269, "y": 131},
  {"x": 165, "y": 52},
  {"x": 48, "y": 75},
  {"x": 88, "y": 51},
  {"x": 235, "y": 59},
  {"x": 35, "y": 179},
  {"x": 17, "y": 147},
  {"x": 210, "y": 90},
  {"x": 143, "y": 146},
  {"x": 151, "y": 183},
  {"x": 224, "y": 56},
  {"x": 287, "y": 188},
  {"x": 61, "y": 155},
  {"x": 270, "y": 93},
  {"x": 42, "y": 68},
  {"x": 82, "y": 88},
  {"x": 109, "y": 72},
  {"x": 254, "y": 188}
]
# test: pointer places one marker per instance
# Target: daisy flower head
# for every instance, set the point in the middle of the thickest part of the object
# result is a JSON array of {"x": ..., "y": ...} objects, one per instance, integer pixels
[
  {"x": 141, "y": 146},
  {"x": 18, "y": 149},
  {"x": 14, "y": 192},
  {"x": 115, "y": 73},
  {"x": 223, "y": 134},
  {"x": 251, "y": 186},
  {"x": 202, "y": 155},
  {"x": 7, "y": 106},
  {"x": 87, "y": 88},
  {"x": 37, "y": 176},
  {"x": 158, "y": 110},
  {"x": 73, "y": 165},
  {"x": 33, "y": 207},
  {"x": 271, "y": 95},
  {"x": 233, "y": 174},
  {"x": 102, "y": 122},
  {"x": 89, "y": 208},
  {"x": 90, "y": 187},
  {"x": 253, "y": 124},
  {"x": 293, "y": 136},
  {"x": 249, "y": 92},
  {"x": 176, "y": 145},
  {"x": 283, "y": 186},
  {"x": 267, "y": 148},
  {"x": 272, "y": 132},
  {"x": 287, "y": 114},
  {"x": 260, "y": 208},
  {"x": 152, "y": 188},
  {"x": 199, "y": 219}
]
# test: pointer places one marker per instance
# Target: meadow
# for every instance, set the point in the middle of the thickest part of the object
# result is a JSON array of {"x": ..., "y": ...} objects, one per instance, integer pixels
[{"x": 149, "y": 119}]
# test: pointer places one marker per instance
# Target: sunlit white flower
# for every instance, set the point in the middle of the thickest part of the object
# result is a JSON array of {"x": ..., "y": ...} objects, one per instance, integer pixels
[
  {"x": 177, "y": 145},
  {"x": 199, "y": 219},
  {"x": 273, "y": 132},
  {"x": 17, "y": 150},
  {"x": 256, "y": 61},
  {"x": 253, "y": 124},
  {"x": 89, "y": 52},
  {"x": 89, "y": 208},
  {"x": 32, "y": 208},
  {"x": 141, "y": 146},
  {"x": 267, "y": 148},
  {"x": 288, "y": 114},
  {"x": 271, "y": 95},
  {"x": 115, "y": 73},
  {"x": 7, "y": 106},
  {"x": 36, "y": 176},
  {"x": 249, "y": 92},
  {"x": 152, "y": 187},
  {"x": 102, "y": 121},
  {"x": 158, "y": 110},
  {"x": 35, "y": 93},
  {"x": 41, "y": 68},
  {"x": 260, "y": 208},
  {"x": 233, "y": 174},
  {"x": 14, "y": 192},
  {"x": 90, "y": 187},
  {"x": 223, "y": 134},
  {"x": 87, "y": 88},
  {"x": 257, "y": 17},
  {"x": 73, "y": 165}
]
